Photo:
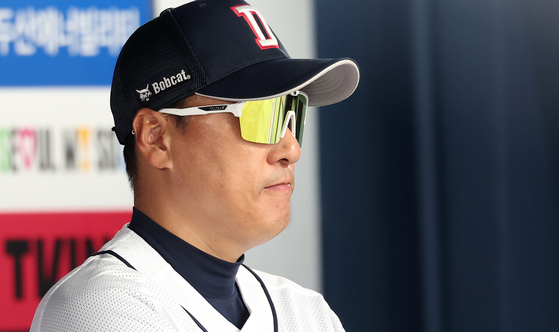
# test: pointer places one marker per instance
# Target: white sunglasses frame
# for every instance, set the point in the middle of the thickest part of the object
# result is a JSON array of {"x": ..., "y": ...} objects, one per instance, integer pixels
[{"x": 236, "y": 109}]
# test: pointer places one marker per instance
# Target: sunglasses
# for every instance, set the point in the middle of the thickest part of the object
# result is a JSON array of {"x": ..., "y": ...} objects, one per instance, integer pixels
[{"x": 262, "y": 121}]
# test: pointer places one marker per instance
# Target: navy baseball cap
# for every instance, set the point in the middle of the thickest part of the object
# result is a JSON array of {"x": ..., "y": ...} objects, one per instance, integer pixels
[{"x": 217, "y": 48}]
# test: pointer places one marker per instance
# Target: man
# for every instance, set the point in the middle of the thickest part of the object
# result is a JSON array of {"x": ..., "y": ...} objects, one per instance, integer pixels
[{"x": 211, "y": 111}]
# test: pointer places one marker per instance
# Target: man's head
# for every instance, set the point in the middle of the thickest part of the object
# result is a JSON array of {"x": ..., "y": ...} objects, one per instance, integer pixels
[
  {"x": 195, "y": 174},
  {"x": 216, "y": 48}
]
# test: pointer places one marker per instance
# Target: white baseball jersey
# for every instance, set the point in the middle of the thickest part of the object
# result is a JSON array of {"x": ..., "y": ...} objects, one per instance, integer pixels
[{"x": 132, "y": 288}]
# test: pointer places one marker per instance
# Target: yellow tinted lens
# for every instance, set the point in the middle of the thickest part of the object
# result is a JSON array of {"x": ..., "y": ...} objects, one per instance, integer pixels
[
  {"x": 260, "y": 120},
  {"x": 264, "y": 121}
]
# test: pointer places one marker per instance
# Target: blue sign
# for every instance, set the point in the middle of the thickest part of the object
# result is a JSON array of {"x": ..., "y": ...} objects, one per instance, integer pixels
[{"x": 65, "y": 42}]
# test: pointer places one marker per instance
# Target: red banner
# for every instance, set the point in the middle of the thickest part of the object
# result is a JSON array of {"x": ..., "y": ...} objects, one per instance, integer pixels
[{"x": 40, "y": 248}]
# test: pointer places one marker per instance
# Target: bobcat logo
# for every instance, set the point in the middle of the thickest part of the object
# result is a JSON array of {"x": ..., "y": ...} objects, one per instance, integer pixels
[{"x": 144, "y": 93}]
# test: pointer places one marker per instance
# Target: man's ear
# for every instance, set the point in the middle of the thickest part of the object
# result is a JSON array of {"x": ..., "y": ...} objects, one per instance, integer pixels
[{"x": 152, "y": 138}]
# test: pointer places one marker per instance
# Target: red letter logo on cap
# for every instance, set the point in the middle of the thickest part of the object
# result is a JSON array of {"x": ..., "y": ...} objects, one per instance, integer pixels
[{"x": 250, "y": 15}]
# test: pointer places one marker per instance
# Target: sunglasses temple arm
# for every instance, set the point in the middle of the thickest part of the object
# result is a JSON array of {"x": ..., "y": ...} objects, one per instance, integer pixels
[{"x": 236, "y": 109}]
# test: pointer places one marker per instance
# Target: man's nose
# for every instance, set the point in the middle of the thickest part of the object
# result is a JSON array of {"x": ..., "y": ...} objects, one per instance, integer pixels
[{"x": 286, "y": 152}]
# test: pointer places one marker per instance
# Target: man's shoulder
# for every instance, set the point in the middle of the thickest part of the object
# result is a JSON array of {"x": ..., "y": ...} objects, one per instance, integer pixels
[
  {"x": 97, "y": 276},
  {"x": 299, "y": 308},
  {"x": 103, "y": 292}
]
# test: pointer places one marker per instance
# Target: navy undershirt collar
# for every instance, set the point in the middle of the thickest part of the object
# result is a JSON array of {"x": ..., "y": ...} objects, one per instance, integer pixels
[{"x": 212, "y": 277}]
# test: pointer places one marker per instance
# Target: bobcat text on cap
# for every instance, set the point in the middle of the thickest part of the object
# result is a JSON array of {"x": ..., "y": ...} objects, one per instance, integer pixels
[{"x": 165, "y": 83}]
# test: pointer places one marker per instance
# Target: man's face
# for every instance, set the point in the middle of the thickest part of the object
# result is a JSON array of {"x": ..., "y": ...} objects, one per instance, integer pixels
[{"x": 233, "y": 192}]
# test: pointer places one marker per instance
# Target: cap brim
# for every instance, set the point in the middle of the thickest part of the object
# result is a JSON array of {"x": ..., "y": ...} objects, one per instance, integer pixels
[{"x": 325, "y": 81}]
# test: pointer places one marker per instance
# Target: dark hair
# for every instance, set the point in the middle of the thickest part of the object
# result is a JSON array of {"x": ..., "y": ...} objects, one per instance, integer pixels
[{"x": 129, "y": 151}]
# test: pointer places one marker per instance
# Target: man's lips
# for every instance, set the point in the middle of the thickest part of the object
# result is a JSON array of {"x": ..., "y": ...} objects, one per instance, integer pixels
[
  {"x": 283, "y": 186},
  {"x": 280, "y": 181}
]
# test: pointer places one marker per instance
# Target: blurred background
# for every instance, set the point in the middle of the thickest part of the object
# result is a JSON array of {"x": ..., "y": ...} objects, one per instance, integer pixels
[
  {"x": 440, "y": 176},
  {"x": 427, "y": 201}
]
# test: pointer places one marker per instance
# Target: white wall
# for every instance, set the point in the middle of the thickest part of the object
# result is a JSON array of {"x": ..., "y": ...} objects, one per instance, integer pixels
[{"x": 295, "y": 253}]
